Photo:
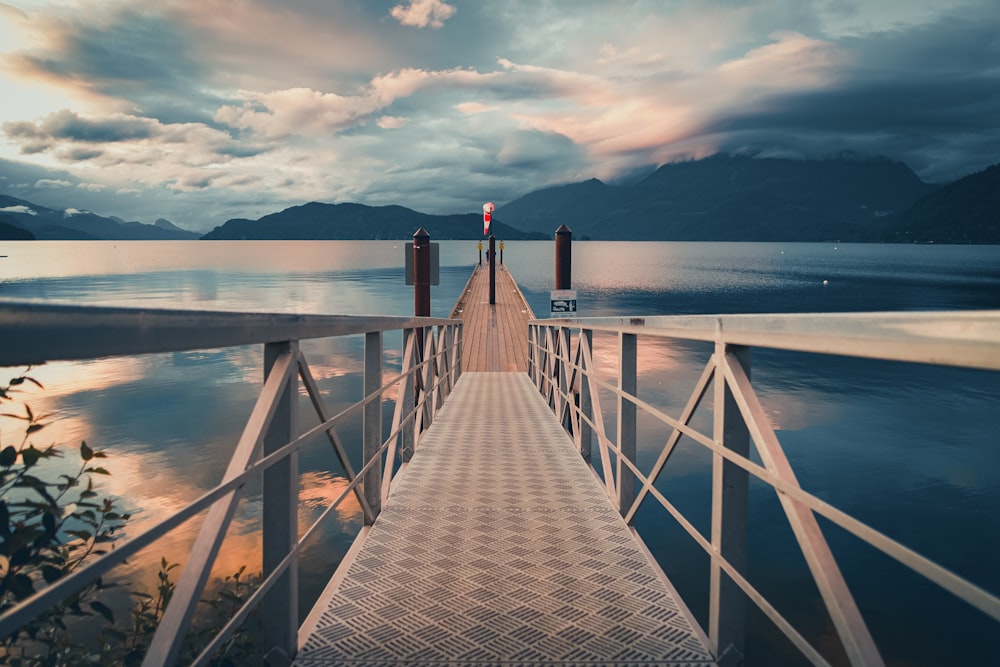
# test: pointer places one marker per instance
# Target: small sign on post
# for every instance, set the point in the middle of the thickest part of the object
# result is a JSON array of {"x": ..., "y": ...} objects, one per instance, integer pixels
[
  {"x": 435, "y": 264},
  {"x": 562, "y": 301}
]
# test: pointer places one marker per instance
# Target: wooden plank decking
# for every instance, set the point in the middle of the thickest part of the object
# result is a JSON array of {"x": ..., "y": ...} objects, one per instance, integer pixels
[{"x": 495, "y": 338}]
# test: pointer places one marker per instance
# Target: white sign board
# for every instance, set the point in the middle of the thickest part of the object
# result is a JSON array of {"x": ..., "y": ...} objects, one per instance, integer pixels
[{"x": 562, "y": 301}]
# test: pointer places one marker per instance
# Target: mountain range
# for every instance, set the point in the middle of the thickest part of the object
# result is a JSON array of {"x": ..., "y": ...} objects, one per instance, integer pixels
[
  {"x": 732, "y": 198},
  {"x": 74, "y": 224},
  {"x": 966, "y": 211},
  {"x": 357, "y": 221},
  {"x": 720, "y": 198}
]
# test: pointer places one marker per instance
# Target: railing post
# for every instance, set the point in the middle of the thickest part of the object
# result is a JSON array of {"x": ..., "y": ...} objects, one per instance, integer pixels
[
  {"x": 280, "y": 494},
  {"x": 372, "y": 437},
  {"x": 445, "y": 349},
  {"x": 459, "y": 332},
  {"x": 531, "y": 351},
  {"x": 627, "y": 383},
  {"x": 730, "y": 501},
  {"x": 565, "y": 391},
  {"x": 407, "y": 397},
  {"x": 428, "y": 377},
  {"x": 586, "y": 405},
  {"x": 441, "y": 366}
]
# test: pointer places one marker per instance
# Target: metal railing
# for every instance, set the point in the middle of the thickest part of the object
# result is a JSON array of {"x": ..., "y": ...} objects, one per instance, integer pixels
[
  {"x": 267, "y": 449},
  {"x": 561, "y": 363}
]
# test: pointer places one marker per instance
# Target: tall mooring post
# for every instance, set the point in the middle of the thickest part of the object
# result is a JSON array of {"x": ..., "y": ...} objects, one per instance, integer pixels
[
  {"x": 421, "y": 273},
  {"x": 564, "y": 257},
  {"x": 421, "y": 285},
  {"x": 491, "y": 256}
]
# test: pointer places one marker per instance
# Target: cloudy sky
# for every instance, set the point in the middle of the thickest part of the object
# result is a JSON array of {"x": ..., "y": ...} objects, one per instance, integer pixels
[{"x": 203, "y": 110}]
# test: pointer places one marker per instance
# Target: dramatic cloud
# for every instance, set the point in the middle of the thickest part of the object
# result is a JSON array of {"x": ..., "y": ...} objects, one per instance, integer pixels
[
  {"x": 66, "y": 125},
  {"x": 305, "y": 112},
  {"x": 391, "y": 122},
  {"x": 51, "y": 183},
  {"x": 18, "y": 209},
  {"x": 202, "y": 110},
  {"x": 423, "y": 13}
]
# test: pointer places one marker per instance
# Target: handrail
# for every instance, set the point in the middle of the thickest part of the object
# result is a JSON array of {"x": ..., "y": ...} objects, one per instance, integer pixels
[
  {"x": 34, "y": 333},
  {"x": 565, "y": 375},
  {"x": 951, "y": 338},
  {"x": 31, "y": 333}
]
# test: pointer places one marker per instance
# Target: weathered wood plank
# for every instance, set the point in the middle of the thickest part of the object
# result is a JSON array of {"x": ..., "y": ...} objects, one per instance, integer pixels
[{"x": 495, "y": 336}]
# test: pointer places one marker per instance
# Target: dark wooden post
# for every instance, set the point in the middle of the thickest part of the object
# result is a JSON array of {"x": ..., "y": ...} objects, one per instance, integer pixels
[
  {"x": 564, "y": 257},
  {"x": 491, "y": 256},
  {"x": 480, "y": 246},
  {"x": 421, "y": 273},
  {"x": 501, "y": 252},
  {"x": 421, "y": 283}
]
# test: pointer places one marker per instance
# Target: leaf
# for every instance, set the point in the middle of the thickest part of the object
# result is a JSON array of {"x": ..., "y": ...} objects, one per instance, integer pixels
[
  {"x": 51, "y": 574},
  {"x": 35, "y": 427},
  {"x": 34, "y": 382},
  {"x": 20, "y": 585},
  {"x": 16, "y": 381},
  {"x": 8, "y": 456},
  {"x": 49, "y": 523},
  {"x": 97, "y": 471},
  {"x": 86, "y": 453},
  {"x": 103, "y": 610},
  {"x": 30, "y": 456},
  {"x": 21, "y": 557}
]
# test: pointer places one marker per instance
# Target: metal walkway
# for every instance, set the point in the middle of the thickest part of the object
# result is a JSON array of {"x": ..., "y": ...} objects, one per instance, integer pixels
[{"x": 499, "y": 547}]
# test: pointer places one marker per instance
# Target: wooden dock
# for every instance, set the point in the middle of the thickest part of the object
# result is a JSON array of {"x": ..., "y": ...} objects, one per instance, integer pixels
[
  {"x": 498, "y": 545},
  {"x": 495, "y": 337}
]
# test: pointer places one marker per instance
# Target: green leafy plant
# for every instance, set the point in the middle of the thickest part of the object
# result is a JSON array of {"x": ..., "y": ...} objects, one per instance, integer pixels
[{"x": 50, "y": 526}]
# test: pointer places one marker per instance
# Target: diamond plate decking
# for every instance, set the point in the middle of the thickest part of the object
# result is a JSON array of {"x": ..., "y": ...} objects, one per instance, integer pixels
[{"x": 499, "y": 547}]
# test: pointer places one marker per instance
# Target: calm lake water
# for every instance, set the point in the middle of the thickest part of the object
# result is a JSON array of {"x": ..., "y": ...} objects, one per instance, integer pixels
[{"x": 913, "y": 450}]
